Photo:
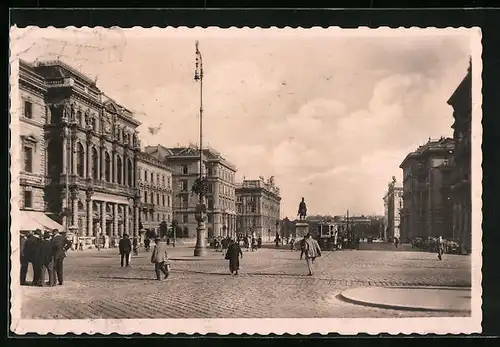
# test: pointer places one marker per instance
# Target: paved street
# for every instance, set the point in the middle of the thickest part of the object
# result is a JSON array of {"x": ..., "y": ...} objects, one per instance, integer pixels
[{"x": 272, "y": 284}]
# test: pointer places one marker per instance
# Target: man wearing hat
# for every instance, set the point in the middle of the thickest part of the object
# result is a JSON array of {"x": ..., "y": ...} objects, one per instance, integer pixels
[
  {"x": 32, "y": 249},
  {"x": 24, "y": 261},
  {"x": 60, "y": 244},
  {"x": 159, "y": 258},
  {"x": 46, "y": 259}
]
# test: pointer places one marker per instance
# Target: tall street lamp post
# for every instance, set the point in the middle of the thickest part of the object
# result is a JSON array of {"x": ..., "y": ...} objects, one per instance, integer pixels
[{"x": 200, "y": 186}]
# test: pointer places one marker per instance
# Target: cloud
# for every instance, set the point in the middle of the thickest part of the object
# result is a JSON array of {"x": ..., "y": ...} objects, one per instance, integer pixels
[{"x": 331, "y": 117}]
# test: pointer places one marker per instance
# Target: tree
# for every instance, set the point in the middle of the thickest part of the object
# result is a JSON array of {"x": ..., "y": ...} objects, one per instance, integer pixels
[{"x": 163, "y": 229}]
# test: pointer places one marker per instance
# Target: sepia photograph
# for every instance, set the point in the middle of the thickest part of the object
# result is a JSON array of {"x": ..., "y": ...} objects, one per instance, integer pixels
[{"x": 191, "y": 180}]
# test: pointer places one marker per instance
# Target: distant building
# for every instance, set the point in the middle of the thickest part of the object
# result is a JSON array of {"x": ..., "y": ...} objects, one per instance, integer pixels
[
  {"x": 393, "y": 203},
  {"x": 154, "y": 182},
  {"x": 426, "y": 203},
  {"x": 221, "y": 196},
  {"x": 258, "y": 207},
  {"x": 461, "y": 101}
]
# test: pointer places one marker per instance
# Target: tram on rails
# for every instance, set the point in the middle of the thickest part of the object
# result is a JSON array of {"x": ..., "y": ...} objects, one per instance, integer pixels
[{"x": 329, "y": 235}]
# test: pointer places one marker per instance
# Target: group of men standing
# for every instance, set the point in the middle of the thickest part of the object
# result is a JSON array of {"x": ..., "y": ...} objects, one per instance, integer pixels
[{"x": 46, "y": 252}]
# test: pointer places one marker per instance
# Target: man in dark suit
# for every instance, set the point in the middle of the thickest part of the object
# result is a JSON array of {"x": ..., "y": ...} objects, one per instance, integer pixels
[
  {"x": 159, "y": 257},
  {"x": 30, "y": 252},
  {"x": 24, "y": 260},
  {"x": 46, "y": 259},
  {"x": 125, "y": 247},
  {"x": 60, "y": 244}
]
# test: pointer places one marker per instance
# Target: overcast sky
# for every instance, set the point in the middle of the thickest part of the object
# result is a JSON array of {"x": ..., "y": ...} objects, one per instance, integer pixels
[{"x": 330, "y": 116}]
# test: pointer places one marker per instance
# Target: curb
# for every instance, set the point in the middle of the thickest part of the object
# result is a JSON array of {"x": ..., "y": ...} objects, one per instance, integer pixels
[{"x": 342, "y": 296}]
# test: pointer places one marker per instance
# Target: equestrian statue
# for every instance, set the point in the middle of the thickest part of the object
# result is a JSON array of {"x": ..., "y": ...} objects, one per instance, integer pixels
[{"x": 302, "y": 213}]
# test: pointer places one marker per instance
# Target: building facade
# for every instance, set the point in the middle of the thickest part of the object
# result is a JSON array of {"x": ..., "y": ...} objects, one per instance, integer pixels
[
  {"x": 426, "y": 208},
  {"x": 220, "y": 198},
  {"x": 258, "y": 204},
  {"x": 461, "y": 101},
  {"x": 393, "y": 203},
  {"x": 88, "y": 152},
  {"x": 154, "y": 182}
]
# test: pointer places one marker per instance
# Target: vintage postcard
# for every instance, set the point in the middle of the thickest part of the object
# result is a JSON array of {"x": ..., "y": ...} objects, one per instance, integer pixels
[{"x": 190, "y": 180}]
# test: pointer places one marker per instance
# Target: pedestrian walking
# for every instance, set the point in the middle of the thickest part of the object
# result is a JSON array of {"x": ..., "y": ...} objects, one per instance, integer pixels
[
  {"x": 225, "y": 244},
  {"x": 60, "y": 244},
  {"x": 312, "y": 251},
  {"x": 396, "y": 242},
  {"x": 440, "y": 247},
  {"x": 159, "y": 257},
  {"x": 233, "y": 255},
  {"x": 125, "y": 247},
  {"x": 47, "y": 261},
  {"x": 302, "y": 247},
  {"x": 292, "y": 244},
  {"x": 259, "y": 242},
  {"x": 147, "y": 243},
  {"x": 254, "y": 244},
  {"x": 135, "y": 246}
]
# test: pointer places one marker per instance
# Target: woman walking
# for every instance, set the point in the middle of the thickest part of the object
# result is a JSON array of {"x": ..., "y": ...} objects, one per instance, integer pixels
[{"x": 233, "y": 255}]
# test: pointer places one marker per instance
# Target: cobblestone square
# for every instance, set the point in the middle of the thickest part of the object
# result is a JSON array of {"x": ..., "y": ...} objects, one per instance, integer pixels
[{"x": 272, "y": 284}]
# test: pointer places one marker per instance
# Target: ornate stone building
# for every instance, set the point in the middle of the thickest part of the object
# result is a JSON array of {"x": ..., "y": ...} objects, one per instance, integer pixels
[
  {"x": 33, "y": 114},
  {"x": 258, "y": 207},
  {"x": 426, "y": 208},
  {"x": 393, "y": 203},
  {"x": 221, "y": 196},
  {"x": 154, "y": 181},
  {"x": 91, "y": 148},
  {"x": 461, "y": 101}
]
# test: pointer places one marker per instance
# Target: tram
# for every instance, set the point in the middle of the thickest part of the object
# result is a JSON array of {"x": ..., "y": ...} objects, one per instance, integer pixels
[{"x": 328, "y": 235}]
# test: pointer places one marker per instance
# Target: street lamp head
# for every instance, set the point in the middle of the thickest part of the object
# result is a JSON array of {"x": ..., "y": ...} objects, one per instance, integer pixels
[{"x": 196, "y": 75}]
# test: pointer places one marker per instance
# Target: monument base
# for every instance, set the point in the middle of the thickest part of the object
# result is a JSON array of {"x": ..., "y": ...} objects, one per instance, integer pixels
[
  {"x": 301, "y": 229},
  {"x": 200, "y": 249}
]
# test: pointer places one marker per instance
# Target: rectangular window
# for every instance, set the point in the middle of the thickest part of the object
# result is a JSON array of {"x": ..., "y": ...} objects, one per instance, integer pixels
[
  {"x": 28, "y": 199},
  {"x": 185, "y": 202},
  {"x": 145, "y": 176},
  {"x": 184, "y": 185},
  {"x": 28, "y": 159},
  {"x": 152, "y": 196},
  {"x": 163, "y": 199},
  {"x": 185, "y": 170},
  {"x": 145, "y": 197},
  {"x": 168, "y": 201},
  {"x": 28, "y": 110},
  {"x": 185, "y": 218},
  {"x": 168, "y": 182},
  {"x": 158, "y": 199}
]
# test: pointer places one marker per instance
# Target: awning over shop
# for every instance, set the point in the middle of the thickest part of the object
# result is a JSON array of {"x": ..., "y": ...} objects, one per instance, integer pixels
[{"x": 31, "y": 220}]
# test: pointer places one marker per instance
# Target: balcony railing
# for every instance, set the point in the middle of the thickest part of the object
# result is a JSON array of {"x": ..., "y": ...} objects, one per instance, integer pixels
[{"x": 89, "y": 182}]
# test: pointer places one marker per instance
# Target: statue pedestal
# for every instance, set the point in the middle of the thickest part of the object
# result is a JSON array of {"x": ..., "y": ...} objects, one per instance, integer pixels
[{"x": 301, "y": 228}]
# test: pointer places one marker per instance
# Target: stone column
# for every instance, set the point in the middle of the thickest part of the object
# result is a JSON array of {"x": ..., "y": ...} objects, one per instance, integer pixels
[
  {"x": 114, "y": 171},
  {"x": 90, "y": 214},
  {"x": 125, "y": 219},
  {"x": 75, "y": 210},
  {"x": 64, "y": 204},
  {"x": 102, "y": 164},
  {"x": 136, "y": 220},
  {"x": 73, "y": 155},
  {"x": 65, "y": 153},
  {"x": 115, "y": 220},
  {"x": 88, "y": 160},
  {"x": 103, "y": 217},
  {"x": 124, "y": 170}
]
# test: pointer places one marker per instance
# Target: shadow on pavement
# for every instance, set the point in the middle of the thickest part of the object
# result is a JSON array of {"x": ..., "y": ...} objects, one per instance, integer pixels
[
  {"x": 192, "y": 259},
  {"x": 127, "y": 278}
]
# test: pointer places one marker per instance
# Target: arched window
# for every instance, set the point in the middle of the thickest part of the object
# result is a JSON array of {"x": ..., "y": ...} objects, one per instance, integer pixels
[
  {"x": 95, "y": 163},
  {"x": 145, "y": 175},
  {"x": 107, "y": 167},
  {"x": 152, "y": 178},
  {"x": 119, "y": 168},
  {"x": 80, "y": 159},
  {"x": 129, "y": 173}
]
